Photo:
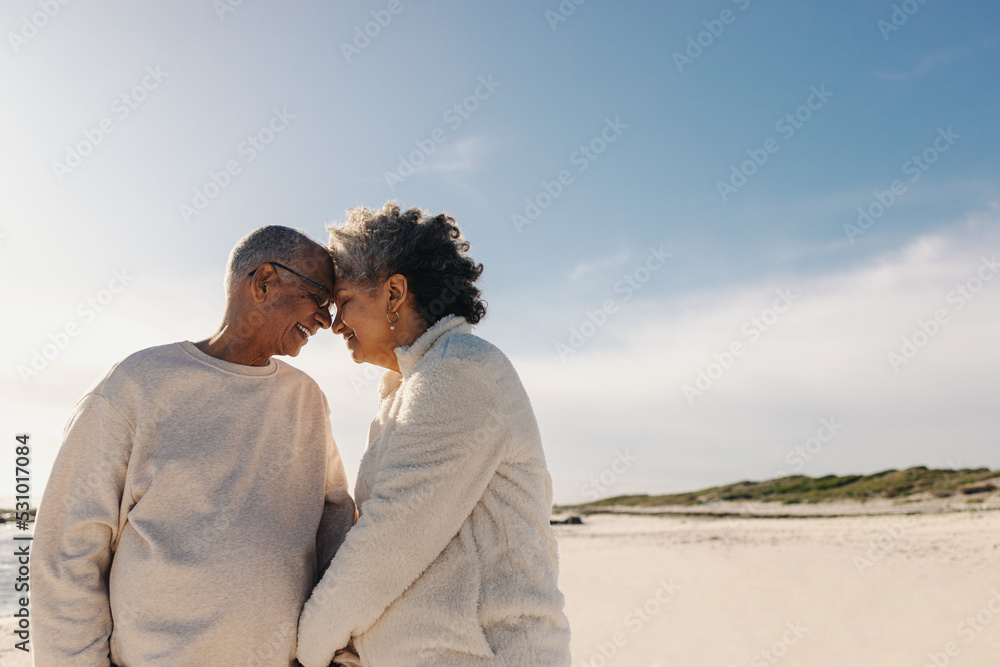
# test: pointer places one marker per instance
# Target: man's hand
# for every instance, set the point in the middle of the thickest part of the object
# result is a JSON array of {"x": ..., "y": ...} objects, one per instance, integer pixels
[{"x": 337, "y": 519}]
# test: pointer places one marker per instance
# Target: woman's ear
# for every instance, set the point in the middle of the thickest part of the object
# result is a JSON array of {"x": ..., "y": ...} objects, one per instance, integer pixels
[{"x": 399, "y": 291}]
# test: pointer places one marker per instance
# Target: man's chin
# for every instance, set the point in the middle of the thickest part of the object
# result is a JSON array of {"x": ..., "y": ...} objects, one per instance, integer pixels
[{"x": 290, "y": 351}]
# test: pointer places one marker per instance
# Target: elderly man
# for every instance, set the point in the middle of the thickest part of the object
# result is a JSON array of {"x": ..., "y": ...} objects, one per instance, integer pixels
[{"x": 198, "y": 491}]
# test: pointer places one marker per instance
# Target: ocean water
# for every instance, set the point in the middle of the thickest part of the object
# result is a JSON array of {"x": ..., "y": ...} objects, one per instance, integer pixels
[{"x": 9, "y": 565}]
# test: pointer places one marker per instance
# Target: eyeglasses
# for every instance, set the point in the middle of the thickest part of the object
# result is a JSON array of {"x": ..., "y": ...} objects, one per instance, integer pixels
[{"x": 322, "y": 302}]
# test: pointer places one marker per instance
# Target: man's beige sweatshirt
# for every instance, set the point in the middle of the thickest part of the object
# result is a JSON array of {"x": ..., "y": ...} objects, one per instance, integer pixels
[{"x": 179, "y": 523}]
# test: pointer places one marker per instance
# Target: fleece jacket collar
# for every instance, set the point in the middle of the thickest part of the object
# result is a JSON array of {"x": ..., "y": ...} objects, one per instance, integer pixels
[{"x": 408, "y": 355}]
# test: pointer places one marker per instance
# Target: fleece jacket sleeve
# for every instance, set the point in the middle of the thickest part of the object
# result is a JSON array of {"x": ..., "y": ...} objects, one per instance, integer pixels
[
  {"x": 437, "y": 461},
  {"x": 75, "y": 536}
]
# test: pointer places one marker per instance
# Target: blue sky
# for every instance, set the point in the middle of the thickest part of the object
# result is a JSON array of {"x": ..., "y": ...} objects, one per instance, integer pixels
[{"x": 641, "y": 145}]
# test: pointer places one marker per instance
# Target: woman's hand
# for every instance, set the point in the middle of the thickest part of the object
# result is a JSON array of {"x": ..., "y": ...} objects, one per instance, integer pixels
[{"x": 317, "y": 642}]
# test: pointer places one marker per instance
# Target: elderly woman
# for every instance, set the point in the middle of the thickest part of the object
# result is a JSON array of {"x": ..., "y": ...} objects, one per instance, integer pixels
[{"x": 452, "y": 560}]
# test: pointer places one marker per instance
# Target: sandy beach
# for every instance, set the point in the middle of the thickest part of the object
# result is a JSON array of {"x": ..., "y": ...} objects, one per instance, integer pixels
[{"x": 873, "y": 591}]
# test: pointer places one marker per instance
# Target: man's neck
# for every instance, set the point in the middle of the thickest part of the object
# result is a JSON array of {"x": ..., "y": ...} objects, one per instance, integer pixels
[{"x": 224, "y": 345}]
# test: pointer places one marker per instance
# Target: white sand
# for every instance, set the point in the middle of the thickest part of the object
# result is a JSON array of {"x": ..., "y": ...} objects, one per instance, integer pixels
[{"x": 870, "y": 591}]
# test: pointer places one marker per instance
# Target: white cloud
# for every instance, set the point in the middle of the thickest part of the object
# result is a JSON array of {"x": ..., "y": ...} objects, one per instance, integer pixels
[
  {"x": 826, "y": 356},
  {"x": 941, "y": 58},
  {"x": 460, "y": 156},
  {"x": 599, "y": 265},
  {"x": 927, "y": 64}
]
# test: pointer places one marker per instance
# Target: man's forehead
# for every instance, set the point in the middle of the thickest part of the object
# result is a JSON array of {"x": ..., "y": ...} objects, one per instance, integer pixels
[
  {"x": 316, "y": 260},
  {"x": 316, "y": 254}
]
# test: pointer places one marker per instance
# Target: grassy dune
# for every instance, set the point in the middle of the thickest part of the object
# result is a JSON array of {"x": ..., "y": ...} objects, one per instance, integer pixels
[{"x": 897, "y": 484}]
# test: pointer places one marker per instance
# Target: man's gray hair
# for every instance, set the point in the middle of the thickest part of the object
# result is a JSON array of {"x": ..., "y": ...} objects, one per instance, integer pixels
[{"x": 273, "y": 243}]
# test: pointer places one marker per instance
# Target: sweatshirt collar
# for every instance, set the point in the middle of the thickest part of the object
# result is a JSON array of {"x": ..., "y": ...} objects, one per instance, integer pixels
[
  {"x": 408, "y": 355},
  {"x": 229, "y": 367}
]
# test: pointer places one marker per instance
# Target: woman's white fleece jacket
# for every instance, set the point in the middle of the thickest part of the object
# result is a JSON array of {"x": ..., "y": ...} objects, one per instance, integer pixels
[{"x": 452, "y": 561}]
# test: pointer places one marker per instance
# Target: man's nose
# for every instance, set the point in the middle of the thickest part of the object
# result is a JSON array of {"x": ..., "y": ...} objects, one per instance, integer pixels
[{"x": 324, "y": 318}]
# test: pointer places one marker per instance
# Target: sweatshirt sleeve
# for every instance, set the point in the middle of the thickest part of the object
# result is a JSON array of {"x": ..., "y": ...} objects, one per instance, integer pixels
[
  {"x": 437, "y": 462},
  {"x": 75, "y": 536},
  {"x": 339, "y": 512}
]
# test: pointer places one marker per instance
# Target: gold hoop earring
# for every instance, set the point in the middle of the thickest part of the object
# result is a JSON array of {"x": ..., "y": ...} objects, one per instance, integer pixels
[{"x": 392, "y": 323}]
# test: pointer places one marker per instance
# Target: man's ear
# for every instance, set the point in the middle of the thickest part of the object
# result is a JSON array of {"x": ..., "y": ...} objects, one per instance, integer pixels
[{"x": 262, "y": 275}]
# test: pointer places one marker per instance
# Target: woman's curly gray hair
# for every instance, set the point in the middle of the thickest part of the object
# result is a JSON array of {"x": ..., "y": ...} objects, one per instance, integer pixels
[{"x": 429, "y": 251}]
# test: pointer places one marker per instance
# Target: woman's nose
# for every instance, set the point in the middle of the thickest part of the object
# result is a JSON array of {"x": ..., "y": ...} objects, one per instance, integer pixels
[{"x": 337, "y": 326}]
